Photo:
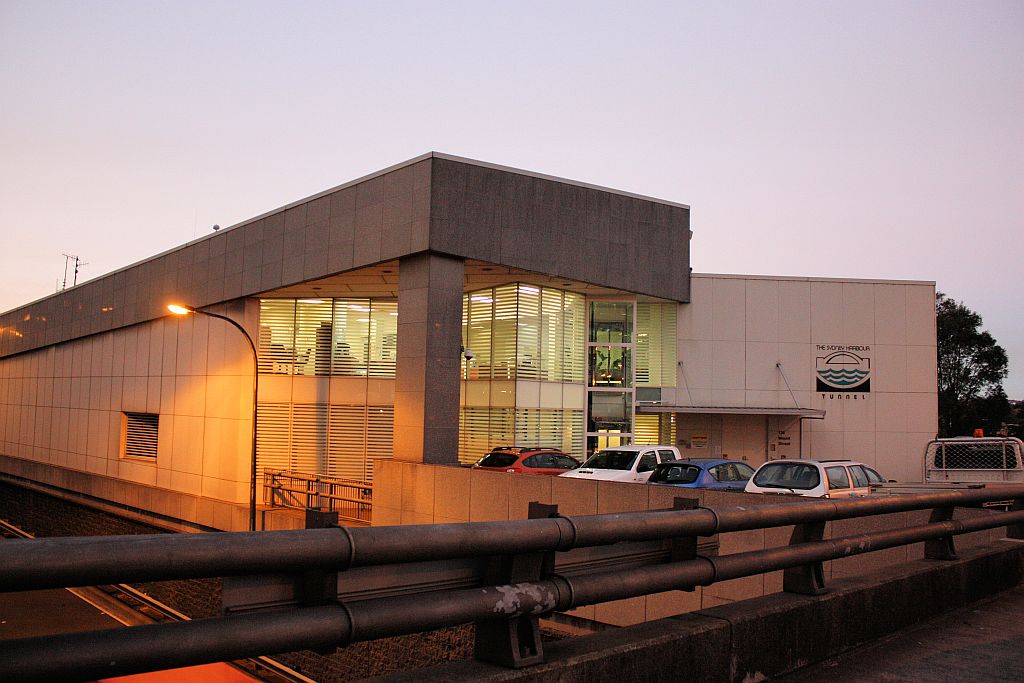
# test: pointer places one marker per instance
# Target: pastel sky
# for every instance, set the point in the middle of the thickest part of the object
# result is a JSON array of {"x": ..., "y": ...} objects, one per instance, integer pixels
[{"x": 836, "y": 139}]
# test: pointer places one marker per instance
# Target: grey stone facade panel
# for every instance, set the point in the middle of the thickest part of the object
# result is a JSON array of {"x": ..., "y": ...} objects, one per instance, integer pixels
[{"x": 433, "y": 203}]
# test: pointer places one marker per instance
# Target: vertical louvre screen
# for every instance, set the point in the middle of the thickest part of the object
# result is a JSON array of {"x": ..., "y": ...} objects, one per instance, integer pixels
[
  {"x": 503, "y": 332},
  {"x": 574, "y": 332},
  {"x": 527, "y": 332},
  {"x": 646, "y": 430},
  {"x": 313, "y": 331},
  {"x": 141, "y": 431},
  {"x": 383, "y": 342},
  {"x": 318, "y": 438},
  {"x": 656, "y": 344}
]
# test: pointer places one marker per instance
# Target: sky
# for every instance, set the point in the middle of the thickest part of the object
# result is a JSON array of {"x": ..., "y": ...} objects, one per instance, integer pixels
[{"x": 833, "y": 139}]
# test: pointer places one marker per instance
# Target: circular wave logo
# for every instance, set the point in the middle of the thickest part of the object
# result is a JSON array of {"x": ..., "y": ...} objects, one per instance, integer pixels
[{"x": 843, "y": 371}]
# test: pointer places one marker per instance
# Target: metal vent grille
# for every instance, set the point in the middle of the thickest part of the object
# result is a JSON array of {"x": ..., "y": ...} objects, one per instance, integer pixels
[{"x": 140, "y": 434}]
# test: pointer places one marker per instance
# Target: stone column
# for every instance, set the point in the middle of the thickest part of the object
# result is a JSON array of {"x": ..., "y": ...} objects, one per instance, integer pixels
[{"x": 428, "y": 358}]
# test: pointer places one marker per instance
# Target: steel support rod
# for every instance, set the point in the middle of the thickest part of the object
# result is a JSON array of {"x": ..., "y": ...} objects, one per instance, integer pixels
[
  {"x": 116, "y": 652},
  {"x": 157, "y": 646},
  {"x": 61, "y": 562}
]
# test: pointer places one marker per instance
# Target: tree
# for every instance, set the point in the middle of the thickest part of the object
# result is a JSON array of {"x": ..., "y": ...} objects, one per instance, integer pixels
[{"x": 972, "y": 367}]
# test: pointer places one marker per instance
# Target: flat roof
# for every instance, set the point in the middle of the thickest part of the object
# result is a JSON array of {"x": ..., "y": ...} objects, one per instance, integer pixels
[{"x": 811, "y": 413}]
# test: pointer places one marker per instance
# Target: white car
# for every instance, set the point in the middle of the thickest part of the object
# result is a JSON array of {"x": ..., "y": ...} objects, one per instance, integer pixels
[
  {"x": 814, "y": 478},
  {"x": 624, "y": 463}
]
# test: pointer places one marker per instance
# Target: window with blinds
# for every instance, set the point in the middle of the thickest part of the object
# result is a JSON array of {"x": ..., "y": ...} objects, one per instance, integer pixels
[
  {"x": 656, "y": 341},
  {"x": 481, "y": 429},
  {"x": 319, "y": 438},
  {"x": 353, "y": 337},
  {"x": 649, "y": 429},
  {"x": 525, "y": 332},
  {"x": 140, "y": 435}
]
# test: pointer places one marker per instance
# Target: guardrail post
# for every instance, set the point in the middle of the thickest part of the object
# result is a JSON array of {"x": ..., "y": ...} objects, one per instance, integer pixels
[
  {"x": 515, "y": 642},
  {"x": 1016, "y": 530},
  {"x": 942, "y": 548},
  {"x": 807, "y": 579}
]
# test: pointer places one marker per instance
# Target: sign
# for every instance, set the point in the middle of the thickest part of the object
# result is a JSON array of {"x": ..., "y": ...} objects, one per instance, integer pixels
[
  {"x": 698, "y": 442},
  {"x": 843, "y": 369}
]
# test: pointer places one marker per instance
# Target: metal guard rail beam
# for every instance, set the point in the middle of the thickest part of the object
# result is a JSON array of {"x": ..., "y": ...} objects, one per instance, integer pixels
[
  {"x": 143, "y": 648},
  {"x": 89, "y": 561}
]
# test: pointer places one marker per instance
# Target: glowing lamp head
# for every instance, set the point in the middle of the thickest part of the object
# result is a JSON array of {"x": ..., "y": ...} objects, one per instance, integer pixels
[{"x": 178, "y": 310}]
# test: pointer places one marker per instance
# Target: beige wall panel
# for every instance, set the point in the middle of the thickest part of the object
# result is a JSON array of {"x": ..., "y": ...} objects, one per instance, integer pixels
[
  {"x": 890, "y": 314},
  {"x": 761, "y": 372},
  {"x": 696, "y": 356},
  {"x": 888, "y": 368},
  {"x": 527, "y": 394},
  {"x": 275, "y": 388},
  {"x": 574, "y": 496},
  {"x": 858, "y": 313},
  {"x": 921, "y": 315},
  {"x": 695, "y": 319},
  {"x": 826, "y": 312},
  {"x": 525, "y": 489},
  {"x": 454, "y": 485},
  {"x": 488, "y": 496},
  {"x": 893, "y": 459},
  {"x": 728, "y": 365},
  {"x": 891, "y": 411},
  {"x": 762, "y": 310},
  {"x": 729, "y": 314},
  {"x": 859, "y": 446},
  {"x": 922, "y": 370}
]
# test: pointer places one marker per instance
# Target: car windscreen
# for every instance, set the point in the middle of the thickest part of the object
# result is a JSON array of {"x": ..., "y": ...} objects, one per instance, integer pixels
[
  {"x": 611, "y": 460},
  {"x": 498, "y": 460},
  {"x": 787, "y": 475},
  {"x": 675, "y": 474}
]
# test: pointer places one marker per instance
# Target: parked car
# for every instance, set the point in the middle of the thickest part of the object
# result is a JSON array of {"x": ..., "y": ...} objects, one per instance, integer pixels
[
  {"x": 534, "y": 460},
  {"x": 814, "y": 478},
  {"x": 973, "y": 459},
  {"x": 703, "y": 473},
  {"x": 624, "y": 463}
]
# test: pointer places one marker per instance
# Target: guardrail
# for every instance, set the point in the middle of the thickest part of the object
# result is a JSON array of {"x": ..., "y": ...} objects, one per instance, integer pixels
[
  {"x": 512, "y": 572},
  {"x": 352, "y": 500}
]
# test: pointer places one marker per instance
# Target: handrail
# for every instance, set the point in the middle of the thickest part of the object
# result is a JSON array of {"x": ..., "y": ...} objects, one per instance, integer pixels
[
  {"x": 351, "y": 499},
  {"x": 525, "y": 589}
]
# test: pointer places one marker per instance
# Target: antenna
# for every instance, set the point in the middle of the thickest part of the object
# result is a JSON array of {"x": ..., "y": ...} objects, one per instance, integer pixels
[{"x": 68, "y": 258}]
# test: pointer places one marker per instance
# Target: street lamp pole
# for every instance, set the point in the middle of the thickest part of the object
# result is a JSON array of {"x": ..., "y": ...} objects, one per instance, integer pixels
[{"x": 185, "y": 310}]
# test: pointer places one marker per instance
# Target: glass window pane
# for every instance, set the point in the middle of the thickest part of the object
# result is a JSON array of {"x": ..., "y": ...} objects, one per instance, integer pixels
[
  {"x": 313, "y": 331},
  {"x": 351, "y": 336},
  {"x": 528, "y": 328},
  {"x": 656, "y": 344},
  {"x": 609, "y": 411},
  {"x": 837, "y": 477},
  {"x": 277, "y": 336},
  {"x": 610, "y": 366},
  {"x": 611, "y": 322},
  {"x": 383, "y": 338}
]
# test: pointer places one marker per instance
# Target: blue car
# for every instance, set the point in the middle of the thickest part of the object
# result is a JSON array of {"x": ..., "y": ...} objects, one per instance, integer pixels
[{"x": 703, "y": 473}]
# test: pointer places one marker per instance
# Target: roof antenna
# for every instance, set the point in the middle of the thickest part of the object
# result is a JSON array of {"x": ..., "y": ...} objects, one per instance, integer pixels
[{"x": 68, "y": 258}]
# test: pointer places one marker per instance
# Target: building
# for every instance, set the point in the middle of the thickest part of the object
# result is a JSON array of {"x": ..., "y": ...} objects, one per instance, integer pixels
[{"x": 435, "y": 309}]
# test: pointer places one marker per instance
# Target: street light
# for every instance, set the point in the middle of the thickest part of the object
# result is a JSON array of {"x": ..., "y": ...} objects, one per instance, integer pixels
[{"x": 185, "y": 310}]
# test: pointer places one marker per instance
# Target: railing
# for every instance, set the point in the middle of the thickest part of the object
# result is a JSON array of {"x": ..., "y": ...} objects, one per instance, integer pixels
[
  {"x": 324, "y": 588},
  {"x": 352, "y": 500}
]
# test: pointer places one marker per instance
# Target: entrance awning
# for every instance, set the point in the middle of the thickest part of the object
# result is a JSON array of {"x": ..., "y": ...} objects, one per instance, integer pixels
[{"x": 809, "y": 413}]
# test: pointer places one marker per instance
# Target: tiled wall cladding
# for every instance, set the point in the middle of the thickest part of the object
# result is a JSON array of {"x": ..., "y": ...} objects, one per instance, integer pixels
[
  {"x": 63, "y": 406},
  {"x": 437, "y": 203}
]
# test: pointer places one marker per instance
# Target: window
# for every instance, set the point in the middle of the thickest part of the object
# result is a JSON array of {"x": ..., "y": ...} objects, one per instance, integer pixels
[
  {"x": 612, "y": 460},
  {"x": 501, "y": 460},
  {"x": 860, "y": 477},
  {"x": 140, "y": 435},
  {"x": 656, "y": 345},
  {"x": 791, "y": 476},
  {"x": 647, "y": 462},
  {"x": 873, "y": 477},
  {"x": 837, "y": 477},
  {"x": 667, "y": 455},
  {"x": 676, "y": 474}
]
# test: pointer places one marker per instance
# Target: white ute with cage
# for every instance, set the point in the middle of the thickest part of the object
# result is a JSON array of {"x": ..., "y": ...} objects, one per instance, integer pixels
[{"x": 974, "y": 460}]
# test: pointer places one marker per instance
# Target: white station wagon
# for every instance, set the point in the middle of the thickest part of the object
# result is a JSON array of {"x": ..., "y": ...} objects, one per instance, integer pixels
[
  {"x": 814, "y": 478},
  {"x": 624, "y": 463}
]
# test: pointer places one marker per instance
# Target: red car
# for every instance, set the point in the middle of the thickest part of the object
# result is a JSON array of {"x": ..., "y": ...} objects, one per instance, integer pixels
[{"x": 527, "y": 460}]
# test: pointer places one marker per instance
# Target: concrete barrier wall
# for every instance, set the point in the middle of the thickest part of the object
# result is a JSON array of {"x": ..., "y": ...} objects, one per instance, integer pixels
[{"x": 413, "y": 493}]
